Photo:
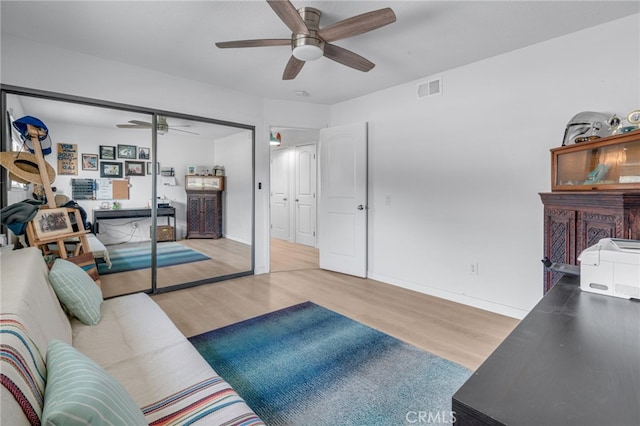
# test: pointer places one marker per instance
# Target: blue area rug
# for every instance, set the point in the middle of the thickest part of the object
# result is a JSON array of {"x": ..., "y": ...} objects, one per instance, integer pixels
[
  {"x": 307, "y": 365},
  {"x": 129, "y": 258}
]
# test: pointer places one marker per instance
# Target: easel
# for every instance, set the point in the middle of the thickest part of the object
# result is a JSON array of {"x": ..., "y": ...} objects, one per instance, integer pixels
[{"x": 82, "y": 244}]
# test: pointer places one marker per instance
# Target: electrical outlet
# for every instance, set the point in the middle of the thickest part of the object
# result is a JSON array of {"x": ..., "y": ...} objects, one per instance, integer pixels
[{"x": 474, "y": 268}]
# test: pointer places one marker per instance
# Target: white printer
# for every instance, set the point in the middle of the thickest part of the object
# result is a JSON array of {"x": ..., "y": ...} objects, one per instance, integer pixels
[{"x": 611, "y": 267}]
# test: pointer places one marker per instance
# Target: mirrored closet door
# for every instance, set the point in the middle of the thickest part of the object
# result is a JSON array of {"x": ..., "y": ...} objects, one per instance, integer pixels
[
  {"x": 205, "y": 174},
  {"x": 148, "y": 232}
]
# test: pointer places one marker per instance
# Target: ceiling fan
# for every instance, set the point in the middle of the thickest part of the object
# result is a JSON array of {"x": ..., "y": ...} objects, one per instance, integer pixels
[
  {"x": 308, "y": 42},
  {"x": 163, "y": 126}
]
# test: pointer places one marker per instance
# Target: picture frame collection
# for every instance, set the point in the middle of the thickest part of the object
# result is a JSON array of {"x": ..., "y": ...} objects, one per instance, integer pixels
[{"x": 109, "y": 165}]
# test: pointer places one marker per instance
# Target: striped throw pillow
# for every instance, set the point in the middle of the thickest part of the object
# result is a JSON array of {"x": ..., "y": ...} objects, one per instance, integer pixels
[
  {"x": 22, "y": 372},
  {"x": 80, "y": 392},
  {"x": 76, "y": 291}
]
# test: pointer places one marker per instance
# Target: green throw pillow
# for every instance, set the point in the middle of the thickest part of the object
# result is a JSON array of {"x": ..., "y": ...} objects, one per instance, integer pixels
[
  {"x": 76, "y": 291},
  {"x": 80, "y": 392}
]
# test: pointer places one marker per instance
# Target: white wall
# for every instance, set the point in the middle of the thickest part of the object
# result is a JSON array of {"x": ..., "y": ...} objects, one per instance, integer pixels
[
  {"x": 16, "y": 195},
  {"x": 235, "y": 152},
  {"x": 454, "y": 178}
]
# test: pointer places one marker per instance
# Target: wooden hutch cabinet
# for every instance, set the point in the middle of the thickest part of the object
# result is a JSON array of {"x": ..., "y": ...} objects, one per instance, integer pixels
[
  {"x": 595, "y": 194},
  {"x": 574, "y": 221},
  {"x": 204, "y": 206}
]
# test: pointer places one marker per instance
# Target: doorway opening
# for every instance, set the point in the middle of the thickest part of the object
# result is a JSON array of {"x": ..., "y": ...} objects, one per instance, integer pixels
[{"x": 294, "y": 199}]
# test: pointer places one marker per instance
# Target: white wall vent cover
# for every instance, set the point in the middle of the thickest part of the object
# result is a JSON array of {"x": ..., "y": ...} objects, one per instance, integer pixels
[{"x": 430, "y": 88}]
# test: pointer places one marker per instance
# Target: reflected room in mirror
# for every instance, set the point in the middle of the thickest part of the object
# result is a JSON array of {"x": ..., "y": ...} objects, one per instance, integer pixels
[{"x": 120, "y": 158}]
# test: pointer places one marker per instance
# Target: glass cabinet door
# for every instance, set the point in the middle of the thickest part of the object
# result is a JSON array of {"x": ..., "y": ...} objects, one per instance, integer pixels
[{"x": 608, "y": 163}]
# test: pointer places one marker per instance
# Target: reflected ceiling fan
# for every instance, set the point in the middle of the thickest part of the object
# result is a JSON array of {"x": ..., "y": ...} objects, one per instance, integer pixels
[
  {"x": 163, "y": 126},
  {"x": 309, "y": 42}
]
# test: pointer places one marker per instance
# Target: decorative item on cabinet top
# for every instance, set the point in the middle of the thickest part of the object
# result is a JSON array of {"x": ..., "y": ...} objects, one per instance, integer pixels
[
  {"x": 588, "y": 125},
  {"x": 609, "y": 163},
  {"x": 204, "y": 183}
]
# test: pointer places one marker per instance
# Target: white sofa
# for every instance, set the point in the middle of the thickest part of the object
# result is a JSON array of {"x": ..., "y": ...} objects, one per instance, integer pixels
[{"x": 134, "y": 341}]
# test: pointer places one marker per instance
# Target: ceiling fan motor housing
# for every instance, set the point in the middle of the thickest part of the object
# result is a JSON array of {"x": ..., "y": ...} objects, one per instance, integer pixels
[
  {"x": 305, "y": 46},
  {"x": 163, "y": 126}
]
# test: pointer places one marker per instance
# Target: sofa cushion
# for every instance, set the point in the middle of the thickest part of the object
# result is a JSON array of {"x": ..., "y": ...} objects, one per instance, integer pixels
[
  {"x": 77, "y": 291},
  {"x": 80, "y": 392},
  {"x": 138, "y": 344},
  {"x": 130, "y": 326}
]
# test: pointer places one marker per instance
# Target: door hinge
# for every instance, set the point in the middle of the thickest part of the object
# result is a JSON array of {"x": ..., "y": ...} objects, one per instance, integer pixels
[{"x": 314, "y": 233}]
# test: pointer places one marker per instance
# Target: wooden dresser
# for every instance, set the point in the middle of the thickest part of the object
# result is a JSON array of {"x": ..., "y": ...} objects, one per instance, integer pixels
[
  {"x": 576, "y": 220},
  {"x": 204, "y": 206}
]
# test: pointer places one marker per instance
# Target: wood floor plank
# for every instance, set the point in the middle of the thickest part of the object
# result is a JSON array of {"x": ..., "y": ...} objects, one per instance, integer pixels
[{"x": 460, "y": 333}]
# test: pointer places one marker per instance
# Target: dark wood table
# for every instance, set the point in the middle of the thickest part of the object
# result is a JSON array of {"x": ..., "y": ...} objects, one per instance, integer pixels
[
  {"x": 573, "y": 360},
  {"x": 98, "y": 214}
]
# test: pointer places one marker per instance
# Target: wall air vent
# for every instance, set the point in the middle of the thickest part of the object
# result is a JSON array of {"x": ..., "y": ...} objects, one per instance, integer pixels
[{"x": 430, "y": 88}]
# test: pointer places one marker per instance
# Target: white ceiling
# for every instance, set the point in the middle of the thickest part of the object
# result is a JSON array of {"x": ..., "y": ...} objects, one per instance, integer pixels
[{"x": 177, "y": 37}]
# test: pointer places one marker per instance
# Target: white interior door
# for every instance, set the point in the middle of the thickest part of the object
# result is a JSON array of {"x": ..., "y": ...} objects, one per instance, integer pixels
[
  {"x": 342, "y": 218},
  {"x": 305, "y": 199},
  {"x": 280, "y": 194}
]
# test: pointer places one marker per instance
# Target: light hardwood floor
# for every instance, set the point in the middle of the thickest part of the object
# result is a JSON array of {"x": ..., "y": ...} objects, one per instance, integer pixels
[
  {"x": 226, "y": 257},
  {"x": 457, "y": 332}
]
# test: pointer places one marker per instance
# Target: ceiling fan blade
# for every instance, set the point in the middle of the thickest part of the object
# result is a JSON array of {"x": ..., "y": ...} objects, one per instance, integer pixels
[
  {"x": 140, "y": 123},
  {"x": 289, "y": 15},
  {"x": 255, "y": 43},
  {"x": 292, "y": 69},
  {"x": 357, "y": 25},
  {"x": 131, "y": 126},
  {"x": 347, "y": 57},
  {"x": 184, "y": 131}
]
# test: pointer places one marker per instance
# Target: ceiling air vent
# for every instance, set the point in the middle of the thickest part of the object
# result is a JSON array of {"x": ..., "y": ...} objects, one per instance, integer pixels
[{"x": 430, "y": 88}]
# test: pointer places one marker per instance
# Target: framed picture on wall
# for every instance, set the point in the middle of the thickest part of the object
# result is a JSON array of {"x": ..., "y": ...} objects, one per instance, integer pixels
[
  {"x": 110, "y": 169},
  {"x": 191, "y": 170},
  {"x": 107, "y": 152},
  {"x": 150, "y": 168},
  {"x": 90, "y": 162},
  {"x": 134, "y": 168},
  {"x": 144, "y": 153},
  {"x": 127, "y": 152}
]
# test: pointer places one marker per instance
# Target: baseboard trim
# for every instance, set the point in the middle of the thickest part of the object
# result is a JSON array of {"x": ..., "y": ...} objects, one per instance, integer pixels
[{"x": 486, "y": 305}]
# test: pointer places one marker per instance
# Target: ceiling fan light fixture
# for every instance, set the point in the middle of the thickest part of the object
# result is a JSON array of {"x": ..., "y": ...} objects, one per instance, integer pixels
[
  {"x": 307, "y": 47},
  {"x": 308, "y": 52},
  {"x": 163, "y": 128}
]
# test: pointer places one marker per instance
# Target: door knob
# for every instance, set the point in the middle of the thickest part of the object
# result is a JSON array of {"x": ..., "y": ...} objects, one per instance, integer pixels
[
  {"x": 284, "y": 199},
  {"x": 360, "y": 207}
]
